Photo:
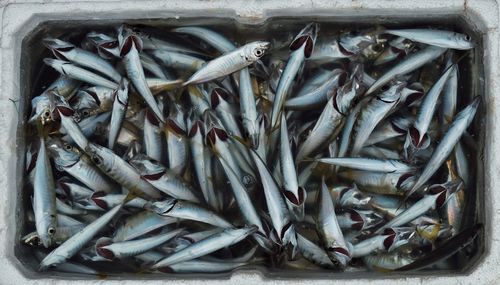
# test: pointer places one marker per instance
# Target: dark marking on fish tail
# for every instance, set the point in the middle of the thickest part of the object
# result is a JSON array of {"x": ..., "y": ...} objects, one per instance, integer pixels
[
  {"x": 127, "y": 46},
  {"x": 291, "y": 197},
  {"x": 298, "y": 42},
  {"x": 151, "y": 117},
  {"x": 65, "y": 111}
]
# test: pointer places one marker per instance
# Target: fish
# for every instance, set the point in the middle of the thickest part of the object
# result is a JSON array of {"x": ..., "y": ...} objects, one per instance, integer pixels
[
  {"x": 130, "y": 47},
  {"x": 301, "y": 48},
  {"x": 71, "y": 246},
  {"x": 69, "y": 52},
  {"x": 208, "y": 245},
  {"x": 117, "y": 115},
  {"x": 407, "y": 65},
  {"x": 433, "y": 37},
  {"x": 44, "y": 197},
  {"x": 229, "y": 62},
  {"x": 457, "y": 127}
]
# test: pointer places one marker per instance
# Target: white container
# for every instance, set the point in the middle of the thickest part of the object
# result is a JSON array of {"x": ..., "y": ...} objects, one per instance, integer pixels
[{"x": 20, "y": 18}]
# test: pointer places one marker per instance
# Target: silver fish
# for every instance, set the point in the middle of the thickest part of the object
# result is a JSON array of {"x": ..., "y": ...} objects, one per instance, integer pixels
[
  {"x": 284, "y": 229},
  {"x": 140, "y": 224},
  {"x": 219, "y": 42},
  {"x": 392, "y": 183},
  {"x": 67, "y": 159},
  {"x": 370, "y": 164},
  {"x": 74, "y": 244},
  {"x": 163, "y": 179},
  {"x": 373, "y": 113},
  {"x": 69, "y": 52},
  {"x": 437, "y": 196},
  {"x": 118, "y": 114},
  {"x": 134, "y": 247},
  {"x": 202, "y": 165},
  {"x": 177, "y": 142},
  {"x": 188, "y": 211},
  {"x": 73, "y": 130},
  {"x": 295, "y": 195},
  {"x": 329, "y": 230},
  {"x": 439, "y": 38},
  {"x": 426, "y": 111},
  {"x": 119, "y": 170},
  {"x": 301, "y": 48},
  {"x": 249, "y": 109},
  {"x": 208, "y": 245},
  {"x": 407, "y": 65},
  {"x": 152, "y": 141},
  {"x": 230, "y": 62},
  {"x": 331, "y": 120},
  {"x": 461, "y": 121},
  {"x": 130, "y": 47},
  {"x": 73, "y": 71},
  {"x": 317, "y": 96},
  {"x": 44, "y": 197},
  {"x": 202, "y": 266},
  {"x": 177, "y": 60}
]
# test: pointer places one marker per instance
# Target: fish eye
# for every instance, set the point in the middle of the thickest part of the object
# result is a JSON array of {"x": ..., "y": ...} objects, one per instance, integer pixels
[
  {"x": 68, "y": 147},
  {"x": 46, "y": 114},
  {"x": 96, "y": 159},
  {"x": 384, "y": 88},
  {"x": 258, "y": 52},
  {"x": 377, "y": 48},
  {"x": 85, "y": 113},
  {"x": 467, "y": 38},
  {"x": 51, "y": 231}
]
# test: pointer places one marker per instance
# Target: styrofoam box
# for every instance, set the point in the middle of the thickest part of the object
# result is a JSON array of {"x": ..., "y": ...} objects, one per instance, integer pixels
[{"x": 19, "y": 18}]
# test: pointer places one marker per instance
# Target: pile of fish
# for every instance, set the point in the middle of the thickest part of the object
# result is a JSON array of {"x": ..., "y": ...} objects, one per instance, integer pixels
[{"x": 181, "y": 151}]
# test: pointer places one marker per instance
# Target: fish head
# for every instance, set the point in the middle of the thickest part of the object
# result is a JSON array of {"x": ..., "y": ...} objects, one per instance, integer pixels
[
  {"x": 255, "y": 50},
  {"x": 100, "y": 156},
  {"x": 48, "y": 230},
  {"x": 463, "y": 41},
  {"x": 58, "y": 47},
  {"x": 63, "y": 153}
]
